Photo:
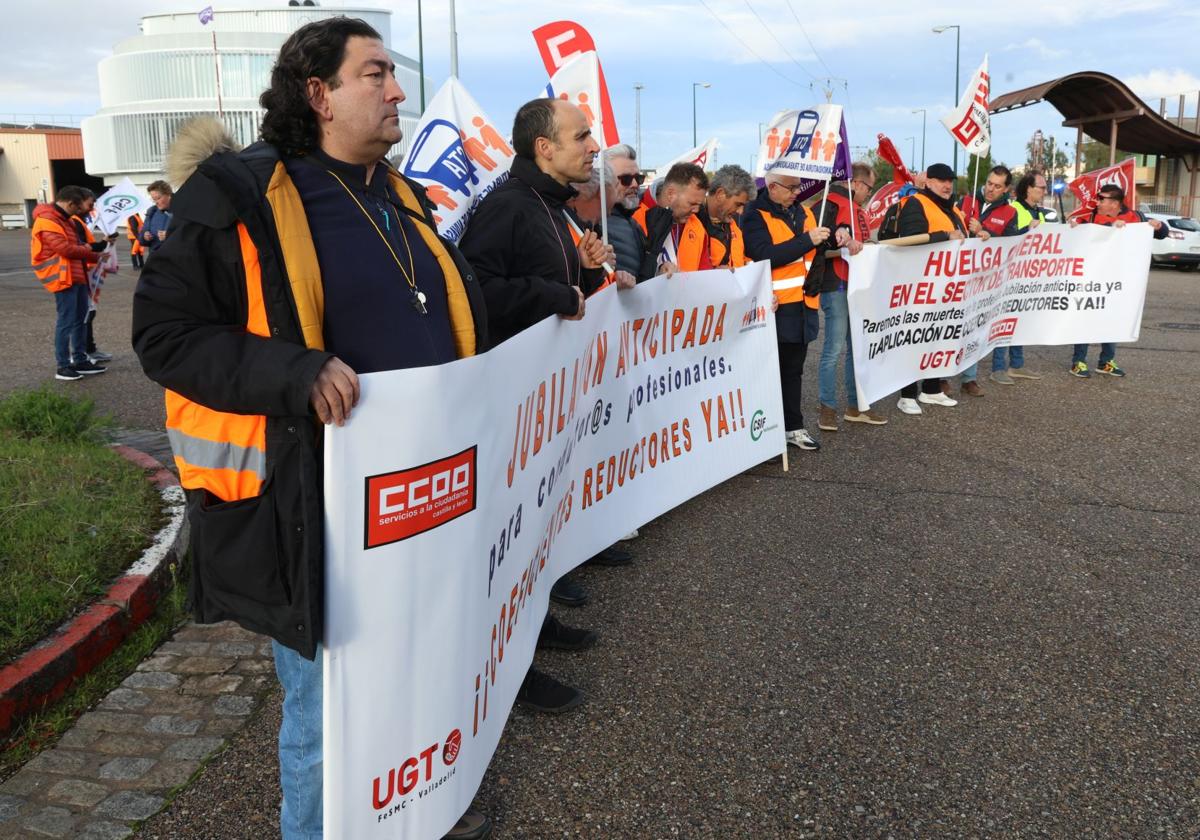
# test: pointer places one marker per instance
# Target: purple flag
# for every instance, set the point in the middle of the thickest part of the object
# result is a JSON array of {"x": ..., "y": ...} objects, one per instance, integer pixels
[
  {"x": 841, "y": 169},
  {"x": 206, "y": 15}
]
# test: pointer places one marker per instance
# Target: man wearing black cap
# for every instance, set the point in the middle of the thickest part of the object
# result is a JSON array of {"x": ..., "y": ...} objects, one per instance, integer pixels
[{"x": 931, "y": 211}]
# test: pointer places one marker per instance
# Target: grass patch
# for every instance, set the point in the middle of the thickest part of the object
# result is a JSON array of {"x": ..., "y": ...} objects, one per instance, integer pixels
[
  {"x": 42, "y": 729},
  {"x": 73, "y": 514}
]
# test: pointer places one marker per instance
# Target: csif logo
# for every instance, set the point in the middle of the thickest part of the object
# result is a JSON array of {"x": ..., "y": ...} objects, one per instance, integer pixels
[
  {"x": 408, "y": 502},
  {"x": 758, "y": 425},
  {"x": 117, "y": 203}
]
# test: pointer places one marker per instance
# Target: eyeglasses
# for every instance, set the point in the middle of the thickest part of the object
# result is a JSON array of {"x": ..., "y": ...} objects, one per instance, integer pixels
[
  {"x": 793, "y": 189},
  {"x": 629, "y": 180},
  {"x": 1038, "y": 187},
  {"x": 1107, "y": 198},
  {"x": 864, "y": 183}
]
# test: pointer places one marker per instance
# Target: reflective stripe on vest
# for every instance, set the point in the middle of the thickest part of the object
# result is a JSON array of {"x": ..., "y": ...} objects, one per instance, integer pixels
[
  {"x": 936, "y": 218},
  {"x": 787, "y": 281},
  {"x": 217, "y": 451},
  {"x": 51, "y": 269}
]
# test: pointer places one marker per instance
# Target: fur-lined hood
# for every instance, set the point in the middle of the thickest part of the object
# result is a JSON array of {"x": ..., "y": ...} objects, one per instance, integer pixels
[{"x": 198, "y": 139}]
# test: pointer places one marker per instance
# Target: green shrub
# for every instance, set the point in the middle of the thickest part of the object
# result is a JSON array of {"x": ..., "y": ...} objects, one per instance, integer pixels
[{"x": 47, "y": 414}]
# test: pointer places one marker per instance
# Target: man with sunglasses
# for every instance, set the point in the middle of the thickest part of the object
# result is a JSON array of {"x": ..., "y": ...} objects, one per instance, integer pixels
[
  {"x": 624, "y": 180},
  {"x": 1110, "y": 210},
  {"x": 787, "y": 234}
]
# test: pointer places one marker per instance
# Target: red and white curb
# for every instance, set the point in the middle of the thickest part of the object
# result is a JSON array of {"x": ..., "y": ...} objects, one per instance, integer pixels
[{"x": 44, "y": 673}]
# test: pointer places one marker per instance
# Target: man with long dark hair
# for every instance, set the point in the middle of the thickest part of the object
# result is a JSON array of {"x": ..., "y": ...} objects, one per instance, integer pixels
[{"x": 292, "y": 267}]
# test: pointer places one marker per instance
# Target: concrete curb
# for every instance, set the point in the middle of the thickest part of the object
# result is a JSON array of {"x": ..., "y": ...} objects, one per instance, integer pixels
[{"x": 44, "y": 673}]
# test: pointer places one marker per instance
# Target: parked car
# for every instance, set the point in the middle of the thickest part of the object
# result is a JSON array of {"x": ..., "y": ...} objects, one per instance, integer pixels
[{"x": 1181, "y": 248}]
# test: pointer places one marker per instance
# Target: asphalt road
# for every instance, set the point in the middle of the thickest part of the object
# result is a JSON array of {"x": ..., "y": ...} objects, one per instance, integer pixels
[{"x": 980, "y": 622}]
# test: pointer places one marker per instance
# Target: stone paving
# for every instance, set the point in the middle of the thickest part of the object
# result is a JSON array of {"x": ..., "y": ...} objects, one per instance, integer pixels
[{"x": 121, "y": 761}]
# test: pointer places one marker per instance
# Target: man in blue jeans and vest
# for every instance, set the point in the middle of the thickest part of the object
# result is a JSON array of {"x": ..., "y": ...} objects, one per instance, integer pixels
[
  {"x": 291, "y": 268},
  {"x": 849, "y": 232}
]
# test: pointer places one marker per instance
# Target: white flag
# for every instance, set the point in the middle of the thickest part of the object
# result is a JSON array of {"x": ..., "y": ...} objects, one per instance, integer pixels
[
  {"x": 703, "y": 156},
  {"x": 969, "y": 122},
  {"x": 118, "y": 204},
  {"x": 578, "y": 82},
  {"x": 802, "y": 143},
  {"x": 458, "y": 156}
]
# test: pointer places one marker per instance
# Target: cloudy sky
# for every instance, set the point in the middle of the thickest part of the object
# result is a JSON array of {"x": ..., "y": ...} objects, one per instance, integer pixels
[{"x": 760, "y": 56}]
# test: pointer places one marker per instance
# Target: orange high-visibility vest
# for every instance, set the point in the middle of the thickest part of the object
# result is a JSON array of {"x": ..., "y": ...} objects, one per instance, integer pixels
[
  {"x": 226, "y": 453},
  {"x": 736, "y": 258},
  {"x": 133, "y": 230},
  {"x": 53, "y": 270},
  {"x": 787, "y": 281},
  {"x": 936, "y": 216},
  {"x": 692, "y": 242},
  {"x": 639, "y": 216}
]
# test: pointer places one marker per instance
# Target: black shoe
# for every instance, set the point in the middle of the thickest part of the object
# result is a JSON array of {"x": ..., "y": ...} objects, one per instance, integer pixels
[
  {"x": 470, "y": 826},
  {"x": 68, "y": 374},
  {"x": 611, "y": 556},
  {"x": 88, "y": 368},
  {"x": 542, "y": 693},
  {"x": 568, "y": 592},
  {"x": 557, "y": 636}
]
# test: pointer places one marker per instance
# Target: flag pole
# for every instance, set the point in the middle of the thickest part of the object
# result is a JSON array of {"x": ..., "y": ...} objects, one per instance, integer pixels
[
  {"x": 217, "y": 70},
  {"x": 974, "y": 188},
  {"x": 599, "y": 114}
]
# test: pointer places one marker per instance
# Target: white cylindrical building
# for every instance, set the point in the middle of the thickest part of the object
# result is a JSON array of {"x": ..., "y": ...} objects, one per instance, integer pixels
[{"x": 155, "y": 81}]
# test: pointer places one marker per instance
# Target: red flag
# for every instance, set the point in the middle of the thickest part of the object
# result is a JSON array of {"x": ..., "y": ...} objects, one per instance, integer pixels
[
  {"x": 560, "y": 41},
  {"x": 1088, "y": 184},
  {"x": 877, "y": 207},
  {"x": 888, "y": 152}
]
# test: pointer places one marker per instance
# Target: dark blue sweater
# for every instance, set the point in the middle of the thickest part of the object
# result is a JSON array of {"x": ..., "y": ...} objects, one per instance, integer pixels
[{"x": 370, "y": 321}]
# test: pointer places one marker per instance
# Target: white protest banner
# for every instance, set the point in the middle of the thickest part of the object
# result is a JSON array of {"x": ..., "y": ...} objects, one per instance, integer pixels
[
  {"x": 969, "y": 123},
  {"x": 802, "y": 143},
  {"x": 458, "y": 494},
  {"x": 458, "y": 156},
  {"x": 118, "y": 204},
  {"x": 702, "y": 156},
  {"x": 929, "y": 311}
]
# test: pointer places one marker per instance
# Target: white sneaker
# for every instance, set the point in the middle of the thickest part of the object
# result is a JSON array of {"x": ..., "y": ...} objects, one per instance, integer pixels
[
  {"x": 937, "y": 399},
  {"x": 908, "y": 406},
  {"x": 632, "y": 535},
  {"x": 802, "y": 439}
]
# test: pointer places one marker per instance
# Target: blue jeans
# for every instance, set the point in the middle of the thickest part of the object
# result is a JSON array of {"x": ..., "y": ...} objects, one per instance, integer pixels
[
  {"x": 1108, "y": 352},
  {"x": 970, "y": 373},
  {"x": 71, "y": 305},
  {"x": 300, "y": 744},
  {"x": 837, "y": 340},
  {"x": 1002, "y": 356}
]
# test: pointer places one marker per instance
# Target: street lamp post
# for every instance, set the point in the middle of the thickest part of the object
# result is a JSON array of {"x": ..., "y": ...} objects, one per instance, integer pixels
[
  {"x": 938, "y": 30},
  {"x": 421, "y": 54},
  {"x": 912, "y": 152},
  {"x": 453, "y": 43},
  {"x": 638, "y": 87},
  {"x": 695, "y": 141},
  {"x": 922, "y": 110}
]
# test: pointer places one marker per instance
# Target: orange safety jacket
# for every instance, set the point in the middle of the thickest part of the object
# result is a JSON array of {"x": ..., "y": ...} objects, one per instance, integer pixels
[
  {"x": 695, "y": 238},
  {"x": 787, "y": 281},
  {"x": 226, "y": 453},
  {"x": 936, "y": 217},
  {"x": 736, "y": 256},
  {"x": 133, "y": 229},
  {"x": 52, "y": 242}
]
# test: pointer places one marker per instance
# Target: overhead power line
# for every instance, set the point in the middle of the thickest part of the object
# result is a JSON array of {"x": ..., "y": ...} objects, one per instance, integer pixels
[
  {"x": 811, "y": 45},
  {"x": 782, "y": 46},
  {"x": 749, "y": 49}
]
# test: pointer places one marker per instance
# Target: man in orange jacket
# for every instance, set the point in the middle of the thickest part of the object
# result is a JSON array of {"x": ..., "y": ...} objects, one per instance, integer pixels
[
  {"x": 712, "y": 231},
  {"x": 61, "y": 262}
]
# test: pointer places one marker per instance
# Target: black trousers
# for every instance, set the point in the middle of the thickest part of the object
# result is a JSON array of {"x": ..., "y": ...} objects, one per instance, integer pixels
[
  {"x": 927, "y": 386},
  {"x": 791, "y": 372},
  {"x": 89, "y": 339}
]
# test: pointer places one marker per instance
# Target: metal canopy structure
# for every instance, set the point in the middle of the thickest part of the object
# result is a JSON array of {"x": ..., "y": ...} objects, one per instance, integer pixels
[{"x": 1104, "y": 108}]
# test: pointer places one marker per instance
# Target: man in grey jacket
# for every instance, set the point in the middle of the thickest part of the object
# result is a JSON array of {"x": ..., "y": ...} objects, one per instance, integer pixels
[{"x": 623, "y": 181}]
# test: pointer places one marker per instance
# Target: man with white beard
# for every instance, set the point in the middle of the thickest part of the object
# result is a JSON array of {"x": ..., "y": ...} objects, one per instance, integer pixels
[{"x": 623, "y": 181}]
